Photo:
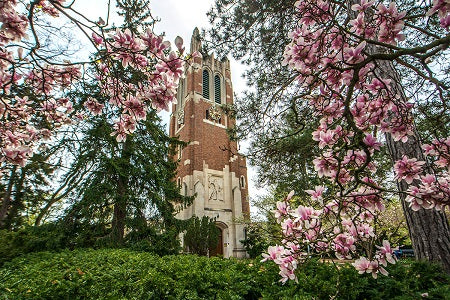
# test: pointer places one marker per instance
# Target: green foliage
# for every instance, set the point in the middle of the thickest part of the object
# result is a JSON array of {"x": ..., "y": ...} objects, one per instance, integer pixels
[
  {"x": 25, "y": 189},
  {"x": 136, "y": 14},
  {"x": 30, "y": 239},
  {"x": 129, "y": 186},
  {"x": 149, "y": 240},
  {"x": 120, "y": 274},
  {"x": 253, "y": 244},
  {"x": 201, "y": 235},
  {"x": 261, "y": 235},
  {"x": 58, "y": 236}
]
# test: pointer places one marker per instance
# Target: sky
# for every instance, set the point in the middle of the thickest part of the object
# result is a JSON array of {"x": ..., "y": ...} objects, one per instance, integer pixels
[{"x": 179, "y": 18}]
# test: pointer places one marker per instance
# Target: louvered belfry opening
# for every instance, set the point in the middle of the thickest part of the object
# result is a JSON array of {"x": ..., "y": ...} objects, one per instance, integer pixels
[
  {"x": 205, "y": 84},
  {"x": 217, "y": 89}
]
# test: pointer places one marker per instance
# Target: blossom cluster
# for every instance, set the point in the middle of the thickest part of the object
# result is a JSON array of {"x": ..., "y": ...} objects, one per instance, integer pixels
[
  {"x": 147, "y": 54},
  {"x": 26, "y": 120},
  {"x": 17, "y": 131},
  {"x": 332, "y": 52},
  {"x": 307, "y": 231},
  {"x": 433, "y": 190},
  {"x": 442, "y": 7},
  {"x": 354, "y": 99}
]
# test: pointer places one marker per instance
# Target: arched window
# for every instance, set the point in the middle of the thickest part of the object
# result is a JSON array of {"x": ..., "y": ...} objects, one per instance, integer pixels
[
  {"x": 242, "y": 182},
  {"x": 180, "y": 149},
  {"x": 217, "y": 89},
  {"x": 185, "y": 189},
  {"x": 180, "y": 95},
  {"x": 205, "y": 84}
]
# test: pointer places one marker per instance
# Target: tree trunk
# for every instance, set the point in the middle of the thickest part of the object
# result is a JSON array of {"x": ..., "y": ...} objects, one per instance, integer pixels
[
  {"x": 6, "y": 201},
  {"x": 118, "y": 222},
  {"x": 13, "y": 219},
  {"x": 428, "y": 228},
  {"x": 120, "y": 205}
]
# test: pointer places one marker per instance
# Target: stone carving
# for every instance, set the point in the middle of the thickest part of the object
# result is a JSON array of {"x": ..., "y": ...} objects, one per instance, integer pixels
[
  {"x": 215, "y": 184},
  {"x": 214, "y": 113},
  {"x": 180, "y": 117}
]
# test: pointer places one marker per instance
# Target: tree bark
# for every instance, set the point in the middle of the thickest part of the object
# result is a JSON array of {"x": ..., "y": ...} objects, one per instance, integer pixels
[
  {"x": 118, "y": 222},
  {"x": 6, "y": 201},
  {"x": 18, "y": 202}
]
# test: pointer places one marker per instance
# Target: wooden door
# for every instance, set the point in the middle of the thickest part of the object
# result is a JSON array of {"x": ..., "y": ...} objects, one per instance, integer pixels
[{"x": 219, "y": 247}]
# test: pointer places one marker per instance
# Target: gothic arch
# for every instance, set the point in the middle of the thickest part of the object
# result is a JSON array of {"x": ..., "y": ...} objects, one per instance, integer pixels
[
  {"x": 199, "y": 190},
  {"x": 181, "y": 93},
  {"x": 221, "y": 225},
  {"x": 218, "y": 88},
  {"x": 223, "y": 240},
  {"x": 206, "y": 82},
  {"x": 242, "y": 182},
  {"x": 185, "y": 189}
]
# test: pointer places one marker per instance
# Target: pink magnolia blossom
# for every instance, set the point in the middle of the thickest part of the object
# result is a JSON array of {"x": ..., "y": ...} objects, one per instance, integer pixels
[
  {"x": 94, "y": 106},
  {"x": 97, "y": 39},
  {"x": 363, "y": 5},
  {"x": 408, "y": 169},
  {"x": 281, "y": 210},
  {"x": 365, "y": 266},
  {"x": 354, "y": 55},
  {"x": 386, "y": 253},
  {"x": 316, "y": 194},
  {"x": 370, "y": 141},
  {"x": 274, "y": 253}
]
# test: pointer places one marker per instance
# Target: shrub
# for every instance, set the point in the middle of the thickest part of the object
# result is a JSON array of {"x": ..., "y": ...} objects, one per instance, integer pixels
[
  {"x": 255, "y": 242},
  {"x": 201, "y": 235},
  {"x": 30, "y": 239},
  {"x": 126, "y": 274},
  {"x": 59, "y": 236},
  {"x": 149, "y": 240}
]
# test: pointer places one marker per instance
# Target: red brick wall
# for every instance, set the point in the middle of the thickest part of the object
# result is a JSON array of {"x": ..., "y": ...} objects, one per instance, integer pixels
[{"x": 214, "y": 146}]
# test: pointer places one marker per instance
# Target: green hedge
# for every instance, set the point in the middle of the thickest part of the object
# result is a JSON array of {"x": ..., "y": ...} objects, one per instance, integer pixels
[
  {"x": 30, "y": 239},
  {"x": 125, "y": 274}
]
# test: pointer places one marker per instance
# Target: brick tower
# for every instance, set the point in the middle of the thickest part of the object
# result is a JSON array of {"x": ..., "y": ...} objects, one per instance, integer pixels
[{"x": 209, "y": 166}]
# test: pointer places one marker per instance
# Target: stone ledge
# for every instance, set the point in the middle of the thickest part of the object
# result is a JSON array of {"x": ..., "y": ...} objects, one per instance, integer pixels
[{"x": 218, "y": 209}]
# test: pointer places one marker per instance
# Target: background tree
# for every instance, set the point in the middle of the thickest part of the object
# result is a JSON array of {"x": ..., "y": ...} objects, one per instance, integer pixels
[
  {"x": 133, "y": 74},
  {"x": 130, "y": 186},
  {"x": 254, "y": 32},
  {"x": 262, "y": 230}
]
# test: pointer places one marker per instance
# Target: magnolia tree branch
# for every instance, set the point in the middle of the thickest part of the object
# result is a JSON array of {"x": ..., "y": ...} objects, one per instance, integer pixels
[
  {"x": 34, "y": 80},
  {"x": 343, "y": 54}
]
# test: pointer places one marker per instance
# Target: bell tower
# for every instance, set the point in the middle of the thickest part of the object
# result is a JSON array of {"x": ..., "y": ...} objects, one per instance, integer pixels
[{"x": 210, "y": 166}]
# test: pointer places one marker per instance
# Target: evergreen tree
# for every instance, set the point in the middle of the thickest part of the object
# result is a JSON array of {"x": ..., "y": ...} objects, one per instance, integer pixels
[
  {"x": 201, "y": 235},
  {"x": 131, "y": 186}
]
